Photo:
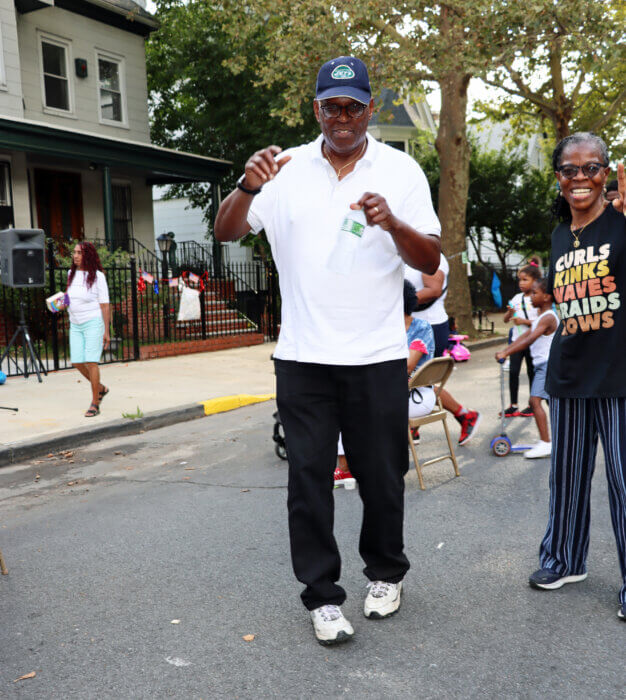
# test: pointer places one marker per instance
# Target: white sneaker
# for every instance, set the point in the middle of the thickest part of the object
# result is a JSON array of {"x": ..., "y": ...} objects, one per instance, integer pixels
[
  {"x": 541, "y": 449},
  {"x": 330, "y": 626},
  {"x": 383, "y": 599}
]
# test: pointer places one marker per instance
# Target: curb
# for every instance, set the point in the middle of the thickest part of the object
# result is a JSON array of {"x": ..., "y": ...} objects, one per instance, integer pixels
[
  {"x": 123, "y": 426},
  {"x": 487, "y": 343}
]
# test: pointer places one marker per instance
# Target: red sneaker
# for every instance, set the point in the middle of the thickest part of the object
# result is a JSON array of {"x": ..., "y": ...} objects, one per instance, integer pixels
[
  {"x": 415, "y": 434},
  {"x": 344, "y": 478},
  {"x": 527, "y": 412},
  {"x": 469, "y": 423},
  {"x": 510, "y": 412}
]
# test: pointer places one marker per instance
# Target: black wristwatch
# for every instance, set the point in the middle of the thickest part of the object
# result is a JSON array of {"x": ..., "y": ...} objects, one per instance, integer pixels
[{"x": 245, "y": 189}]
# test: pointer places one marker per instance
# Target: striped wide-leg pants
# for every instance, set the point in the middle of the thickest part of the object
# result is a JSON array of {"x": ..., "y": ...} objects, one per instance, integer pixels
[{"x": 576, "y": 426}]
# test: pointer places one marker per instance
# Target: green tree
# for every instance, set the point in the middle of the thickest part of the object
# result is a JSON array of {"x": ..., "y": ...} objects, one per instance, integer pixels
[
  {"x": 569, "y": 72},
  {"x": 196, "y": 102},
  {"x": 406, "y": 43},
  {"x": 508, "y": 207}
]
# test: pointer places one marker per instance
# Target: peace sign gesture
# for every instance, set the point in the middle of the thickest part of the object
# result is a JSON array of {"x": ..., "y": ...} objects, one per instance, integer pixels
[{"x": 620, "y": 202}]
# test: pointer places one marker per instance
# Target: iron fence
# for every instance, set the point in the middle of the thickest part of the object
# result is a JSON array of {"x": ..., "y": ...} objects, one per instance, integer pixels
[{"x": 234, "y": 299}]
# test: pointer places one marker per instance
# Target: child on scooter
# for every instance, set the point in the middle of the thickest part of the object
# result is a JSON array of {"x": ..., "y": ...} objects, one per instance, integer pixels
[
  {"x": 521, "y": 311},
  {"x": 539, "y": 339}
]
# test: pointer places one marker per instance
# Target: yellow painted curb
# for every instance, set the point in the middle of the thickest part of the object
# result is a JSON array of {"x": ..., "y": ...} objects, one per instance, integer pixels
[{"x": 228, "y": 403}]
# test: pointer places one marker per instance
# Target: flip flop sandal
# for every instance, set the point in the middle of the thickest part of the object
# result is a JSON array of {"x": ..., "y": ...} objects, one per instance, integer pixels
[
  {"x": 92, "y": 411},
  {"x": 103, "y": 393}
]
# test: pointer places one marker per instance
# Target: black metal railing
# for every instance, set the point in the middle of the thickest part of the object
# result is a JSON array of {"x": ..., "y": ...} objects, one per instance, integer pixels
[{"x": 236, "y": 299}]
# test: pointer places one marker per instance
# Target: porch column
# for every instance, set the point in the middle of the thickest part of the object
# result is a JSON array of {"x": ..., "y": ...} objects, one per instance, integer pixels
[
  {"x": 217, "y": 249},
  {"x": 107, "y": 203}
]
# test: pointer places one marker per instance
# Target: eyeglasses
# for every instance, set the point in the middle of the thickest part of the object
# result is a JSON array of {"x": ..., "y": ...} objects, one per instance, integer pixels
[
  {"x": 589, "y": 170},
  {"x": 332, "y": 111}
]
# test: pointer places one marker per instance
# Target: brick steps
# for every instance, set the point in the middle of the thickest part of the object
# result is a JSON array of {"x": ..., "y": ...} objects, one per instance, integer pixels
[{"x": 187, "y": 347}]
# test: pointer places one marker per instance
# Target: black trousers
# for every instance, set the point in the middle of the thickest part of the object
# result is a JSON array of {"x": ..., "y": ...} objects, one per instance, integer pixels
[
  {"x": 368, "y": 404},
  {"x": 515, "y": 368}
]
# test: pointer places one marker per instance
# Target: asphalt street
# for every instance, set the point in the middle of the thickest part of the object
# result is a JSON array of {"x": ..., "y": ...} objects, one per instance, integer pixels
[{"x": 109, "y": 545}]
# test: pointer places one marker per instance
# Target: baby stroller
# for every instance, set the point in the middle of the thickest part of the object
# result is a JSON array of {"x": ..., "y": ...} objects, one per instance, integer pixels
[{"x": 278, "y": 437}]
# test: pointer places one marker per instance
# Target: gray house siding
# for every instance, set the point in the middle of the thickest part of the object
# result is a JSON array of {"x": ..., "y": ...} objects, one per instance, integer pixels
[
  {"x": 10, "y": 78},
  {"x": 85, "y": 38}
]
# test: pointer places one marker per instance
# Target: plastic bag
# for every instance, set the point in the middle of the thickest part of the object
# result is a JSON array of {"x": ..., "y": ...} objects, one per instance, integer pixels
[
  {"x": 58, "y": 302},
  {"x": 189, "y": 309}
]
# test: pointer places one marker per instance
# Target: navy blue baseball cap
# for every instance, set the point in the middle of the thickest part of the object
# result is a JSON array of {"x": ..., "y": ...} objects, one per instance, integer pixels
[{"x": 345, "y": 76}]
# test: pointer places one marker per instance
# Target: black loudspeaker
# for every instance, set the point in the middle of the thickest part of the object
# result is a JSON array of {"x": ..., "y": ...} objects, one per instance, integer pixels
[{"x": 22, "y": 259}]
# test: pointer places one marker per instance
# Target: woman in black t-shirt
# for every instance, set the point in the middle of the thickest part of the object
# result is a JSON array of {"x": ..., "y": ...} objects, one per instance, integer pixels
[{"x": 586, "y": 377}]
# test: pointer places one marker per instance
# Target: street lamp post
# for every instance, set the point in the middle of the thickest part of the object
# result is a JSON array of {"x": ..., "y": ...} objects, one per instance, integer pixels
[{"x": 165, "y": 243}]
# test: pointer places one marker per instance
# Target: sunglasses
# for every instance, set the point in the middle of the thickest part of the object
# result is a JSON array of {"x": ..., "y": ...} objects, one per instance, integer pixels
[
  {"x": 332, "y": 111},
  {"x": 589, "y": 170}
]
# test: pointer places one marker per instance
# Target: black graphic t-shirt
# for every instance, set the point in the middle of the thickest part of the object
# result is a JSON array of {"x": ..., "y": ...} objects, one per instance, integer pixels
[{"x": 588, "y": 353}]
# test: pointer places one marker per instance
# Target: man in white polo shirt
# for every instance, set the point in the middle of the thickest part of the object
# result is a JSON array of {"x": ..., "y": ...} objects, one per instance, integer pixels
[{"x": 341, "y": 356}]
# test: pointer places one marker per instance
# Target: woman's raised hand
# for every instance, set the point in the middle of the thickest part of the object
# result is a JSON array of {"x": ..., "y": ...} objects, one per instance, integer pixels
[{"x": 620, "y": 202}]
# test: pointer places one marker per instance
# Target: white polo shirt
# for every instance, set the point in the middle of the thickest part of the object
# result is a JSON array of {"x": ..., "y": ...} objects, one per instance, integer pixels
[{"x": 328, "y": 318}]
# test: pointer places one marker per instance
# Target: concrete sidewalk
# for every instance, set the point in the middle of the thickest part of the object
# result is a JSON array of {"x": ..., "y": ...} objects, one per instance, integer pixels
[{"x": 166, "y": 391}]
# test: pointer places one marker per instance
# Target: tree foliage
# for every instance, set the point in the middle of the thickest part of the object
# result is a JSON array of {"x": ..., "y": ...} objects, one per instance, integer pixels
[
  {"x": 568, "y": 73},
  {"x": 508, "y": 205},
  {"x": 198, "y": 105},
  {"x": 403, "y": 44}
]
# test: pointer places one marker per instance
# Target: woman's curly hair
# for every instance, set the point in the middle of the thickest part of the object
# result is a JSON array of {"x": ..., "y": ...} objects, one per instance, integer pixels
[{"x": 91, "y": 263}]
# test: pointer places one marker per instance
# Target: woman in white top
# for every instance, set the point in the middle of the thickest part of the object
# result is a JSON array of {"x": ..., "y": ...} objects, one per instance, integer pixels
[
  {"x": 90, "y": 315},
  {"x": 522, "y": 312}
]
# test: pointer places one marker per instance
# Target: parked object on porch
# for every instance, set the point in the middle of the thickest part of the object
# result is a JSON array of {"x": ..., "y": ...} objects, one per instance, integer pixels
[
  {"x": 456, "y": 350},
  {"x": 501, "y": 444},
  {"x": 189, "y": 309},
  {"x": 58, "y": 302}
]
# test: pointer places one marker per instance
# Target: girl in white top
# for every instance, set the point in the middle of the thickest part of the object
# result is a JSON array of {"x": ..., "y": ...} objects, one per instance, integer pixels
[
  {"x": 522, "y": 312},
  {"x": 89, "y": 313},
  {"x": 539, "y": 339}
]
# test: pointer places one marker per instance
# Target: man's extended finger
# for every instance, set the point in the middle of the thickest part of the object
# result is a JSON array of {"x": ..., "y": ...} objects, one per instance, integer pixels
[{"x": 283, "y": 161}]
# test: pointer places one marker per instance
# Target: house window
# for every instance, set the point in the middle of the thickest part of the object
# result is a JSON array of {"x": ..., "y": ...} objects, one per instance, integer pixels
[
  {"x": 56, "y": 83},
  {"x": 110, "y": 90},
  {"x": 122, "y": 216},
  {"x": 400, "y": 145},
  {"x": 6, "y": 200}
]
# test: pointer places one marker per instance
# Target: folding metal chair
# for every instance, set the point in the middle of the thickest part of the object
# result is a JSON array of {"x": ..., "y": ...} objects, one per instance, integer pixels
[{"x": 431, "y": 373}]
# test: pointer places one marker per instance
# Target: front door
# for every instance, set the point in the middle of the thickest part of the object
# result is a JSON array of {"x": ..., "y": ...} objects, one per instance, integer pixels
[{"x": 60, "y": 205}]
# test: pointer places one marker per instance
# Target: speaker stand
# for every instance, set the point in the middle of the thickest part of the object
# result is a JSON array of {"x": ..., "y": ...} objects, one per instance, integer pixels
[{"x": 27, "y": 348}]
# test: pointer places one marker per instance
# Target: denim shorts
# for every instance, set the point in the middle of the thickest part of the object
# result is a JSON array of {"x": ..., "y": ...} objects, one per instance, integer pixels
[
  {"x": 539, "y": 382},
  {"x": 86, "y": 341}
]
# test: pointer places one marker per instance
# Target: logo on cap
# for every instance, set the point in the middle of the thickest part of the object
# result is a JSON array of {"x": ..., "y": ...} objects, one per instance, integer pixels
[{"x": 342, "y": 73}]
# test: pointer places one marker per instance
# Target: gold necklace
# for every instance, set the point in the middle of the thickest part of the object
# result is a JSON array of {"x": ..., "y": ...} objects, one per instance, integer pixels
[
  {"x": 343, "y": 167},
  {"x": 576, "y": 243}
]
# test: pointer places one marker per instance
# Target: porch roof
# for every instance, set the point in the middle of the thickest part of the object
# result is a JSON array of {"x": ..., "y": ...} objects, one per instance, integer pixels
[{"x": 160, "y": 166}]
